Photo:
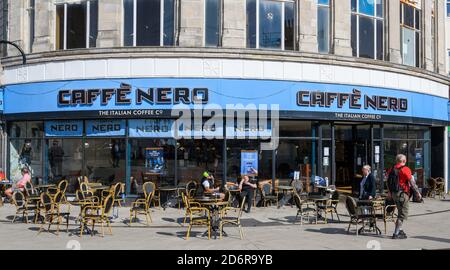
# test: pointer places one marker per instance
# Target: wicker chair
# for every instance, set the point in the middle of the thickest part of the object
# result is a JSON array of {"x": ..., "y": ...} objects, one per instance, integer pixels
[
  {"x": 266, "y": 192},
  {"x": 305, "y": 209},
  {"x": 22, "y": 206},
  {"x": 98, "y": 214},
  {"x": 226, "y": 218}
]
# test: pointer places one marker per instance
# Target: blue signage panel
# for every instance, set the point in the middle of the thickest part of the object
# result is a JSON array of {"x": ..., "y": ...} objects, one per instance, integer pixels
[
  {"x": 138, "y": 97},
  {"x": 1, "y": 100},
  {"x": 249, "y": 162},
  {"x": 154, "y": 160},
  {"x": 108, "y": 128},
  {"x": 67, "y": 128},
  {"x": 151, "y": 128}
]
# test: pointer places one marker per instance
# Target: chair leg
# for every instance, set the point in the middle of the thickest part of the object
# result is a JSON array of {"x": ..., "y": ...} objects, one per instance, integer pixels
[
  {"x": 82, "y": 228},
  {"x": 103, "y": 229},
  {"x": 241, "y": 232},
  {"x": 131, "y": 218},
  {"x": 67, "y": 223},
  {"x": 146, "y": 219},
  {"x": 149, "y": 216},
  {"x": 14, "y": 218},
  {"x": 220, "y": 230},
  {"x": 109, "y": 226},
  {"x": 188, "y": 231},
  {"x": 349, "y": 225}
]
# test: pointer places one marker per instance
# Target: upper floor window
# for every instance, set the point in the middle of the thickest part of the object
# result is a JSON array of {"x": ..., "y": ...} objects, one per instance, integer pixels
[
  {"x": 3, "y": 25},
  {"x": 411, "y": 25},
  {"x": 149, "y": 22},
  {"x": 448, "y": 8},
  {"x": 323, "y": 25},
  {"x": 76, "y": 25},
  {"x": 271, "y": 24},
  {"x": 213, "y": 18},
  {"x": 367, "y": 28}
]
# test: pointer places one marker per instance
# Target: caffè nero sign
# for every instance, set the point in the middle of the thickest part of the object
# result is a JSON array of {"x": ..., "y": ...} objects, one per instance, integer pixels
[{"x": 185, "y": 95}]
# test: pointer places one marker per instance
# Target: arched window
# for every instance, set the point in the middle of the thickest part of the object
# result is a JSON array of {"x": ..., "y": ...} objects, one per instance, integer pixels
[
  {"x": 271, "y": 24},
  {"x": 149, "y": 22}
]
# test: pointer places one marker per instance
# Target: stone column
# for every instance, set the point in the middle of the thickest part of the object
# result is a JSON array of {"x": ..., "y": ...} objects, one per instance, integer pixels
[
  {"x": 234, "y": 24},
  {"x": 427, "y": 7},
  {"x": 394, "y": 36},
  {"x": 308, "y": 26},
  {"x": 440, "y": 35},
  {"x": 191, "y": 23},
  {"x": 342, "y": 28},
  {"x": 110, "y": 22},
  {"x": 44, "y": 39},
  {"x": 17, "y": 27}
]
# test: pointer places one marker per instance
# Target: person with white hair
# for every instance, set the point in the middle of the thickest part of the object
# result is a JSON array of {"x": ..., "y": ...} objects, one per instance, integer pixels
[
  {"x": 399, "y": 185},
  {"x": 367, "y": 189}
]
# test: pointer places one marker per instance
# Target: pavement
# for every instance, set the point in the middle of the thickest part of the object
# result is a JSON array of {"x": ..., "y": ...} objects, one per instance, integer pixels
[{"x": 428, "y": 227}]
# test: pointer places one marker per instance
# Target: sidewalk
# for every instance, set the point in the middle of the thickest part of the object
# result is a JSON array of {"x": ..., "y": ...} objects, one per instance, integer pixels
[{"x": 265, "y": 228}]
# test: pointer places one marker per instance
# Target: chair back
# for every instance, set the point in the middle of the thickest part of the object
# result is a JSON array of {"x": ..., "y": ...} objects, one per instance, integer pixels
[
  {"x": 18, "y": 199},
  {"x": 191, "y": 185},
  {"x": 351, "y": 206},
  {"x": 117, "y": 189},
  {"x": 84, "y": 188},
  {"x": 148, "y": 200},
  {"x": 108, "y": 205},
  {"x": 297, "y": 185},
  {"x": 46, "y": 202},
  {"x": 62, "y": 186},
  {"x": 266, "y": 189},
  {"x": 29, "y": 190},
  {"x": 241, "y": 208},
  {"x": 148, "y": 188},
  {"x": 298, "y": 201},
  {"x": 58, "y": 197},
  {"x": 432, "y": 183}
]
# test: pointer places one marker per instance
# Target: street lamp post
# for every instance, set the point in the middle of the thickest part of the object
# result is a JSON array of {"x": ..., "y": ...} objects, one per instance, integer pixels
[{"x": 24, "y": 57}]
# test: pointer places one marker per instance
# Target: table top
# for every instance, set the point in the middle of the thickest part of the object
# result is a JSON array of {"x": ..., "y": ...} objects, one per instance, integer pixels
[
  {"x": 99, "y": 187},
  {"x": 318, "y": 198},
  {"x": 46, "y": 186},
  {"x": 218, "y": 203},
  {"x": 169, "y": 188},
  {"x": 206, "y": 199},
  {"x": 6, "y": 182}
]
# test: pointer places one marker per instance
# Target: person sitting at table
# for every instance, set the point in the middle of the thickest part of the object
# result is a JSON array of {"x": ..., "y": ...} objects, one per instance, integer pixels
[
  {"x": 367, "y": 185},
  {"x": 207, "y": 186},
  {"x": 247, "y": 189},
  {"x": 26, "y": 177}
]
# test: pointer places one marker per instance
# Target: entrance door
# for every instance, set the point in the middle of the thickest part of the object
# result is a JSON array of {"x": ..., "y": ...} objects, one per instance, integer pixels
[{"x": 353, "y": 151}]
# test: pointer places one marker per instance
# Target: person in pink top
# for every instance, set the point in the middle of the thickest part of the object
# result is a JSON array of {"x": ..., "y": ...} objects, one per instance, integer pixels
[{"x": 26, "y": 177}]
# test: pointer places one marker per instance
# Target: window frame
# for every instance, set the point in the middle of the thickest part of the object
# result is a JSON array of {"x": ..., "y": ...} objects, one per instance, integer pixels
[
  {"x": 283, "y": 26},
  {"x": 220, "y": 24},
  {"x": 161, "y": 24},
  {"x": 416, "y": 31},
  {"x": 64, "y": 23},
  {"x": 330, "y": 26},
  {"x": 375, "y": 18}
]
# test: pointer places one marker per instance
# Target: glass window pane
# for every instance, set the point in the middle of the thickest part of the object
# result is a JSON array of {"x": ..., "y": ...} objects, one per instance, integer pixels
[
  {"x": 128, "y": 23},
  {"x": 366, "y": 37},
  {"x": 60, "y": 27},
  {"x": 289, "y": 22},
  {"x": 379, "y": 6},
  {"x": 296, "y": 155},
  {"x": 105, "y": 160},
  {"x": 395, "y": 131},
  {"x": 354, "y": 6},
  {"x": 212, "y": 23},
  {"x": 408, "y": 48},
  {"x": 196, "y": 156},
  {"x": 296, "y": 129},
  {"x": 367, "y": 7},
  {"x": 142, "y": 166},
  {"x": 354, "y": 35},
  {"x": 408, "y": 16},
  {"x": 417, "y": 49},
  {"x": 323, "y": 31},
  {"x": 148, "y": 22},
  {"x": 65, "y": 160},
  {"x": 251, "y": 23},
  {"x": 380, "y": 40},
  {"x": 418, "y": 20},
  {"x": 169, "y": 22},
  {"x": 270, "y": 24},
  {"x": 76, "y": 25},
  {"x": 93, "y": 24},
  {"x": 25, "y": 153},
  {"x": 17, "y": 129}
]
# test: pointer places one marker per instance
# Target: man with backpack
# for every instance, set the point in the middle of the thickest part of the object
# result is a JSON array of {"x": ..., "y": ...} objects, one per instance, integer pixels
[{"x": 399, "y": 182}]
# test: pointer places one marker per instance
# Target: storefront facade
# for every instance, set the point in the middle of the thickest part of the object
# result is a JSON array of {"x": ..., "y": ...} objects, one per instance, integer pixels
[{"x": 351, "y": 84}]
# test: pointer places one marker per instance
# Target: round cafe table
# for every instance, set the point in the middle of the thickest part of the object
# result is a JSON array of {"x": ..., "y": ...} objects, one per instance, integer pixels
[
  {"x": 171, "y": 193},
  {"x": 44, "y": 188},
  {"x": 285, "y": 190},
  {"x": 214, "y": 204}
]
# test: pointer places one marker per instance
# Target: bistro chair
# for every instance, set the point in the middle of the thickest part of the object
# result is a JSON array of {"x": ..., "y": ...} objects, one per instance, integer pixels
[
  {"x": 225, "y": 218},
  {"x": 29, "y": 190},
  {"x": 330, "y": 207},
  {"x": 87, "y": 193},
  {"x": 52, "y": 212},
  {"x": 116, "y": 192},
  {"x": 150, "y": 187},
  {"x": 191, "y": 188},
  {"x": 198, "y": 216},
  {"x": 305, "y": 209},
  {"x": 189, "y": 203},
  {"x": 266, "y": 192},
  {"x": 22, "y": 206},
  {"x": 357, "y": 214},
  {"x": 98, "y": 214},
  {"x": 142, "y": 207},
  {"x": 385, "y": 211},
  {"x": 62, "y": 187}
]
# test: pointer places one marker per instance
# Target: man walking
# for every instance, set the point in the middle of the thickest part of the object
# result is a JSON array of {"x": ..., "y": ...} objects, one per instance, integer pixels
[{"x": 399, "y": 180}]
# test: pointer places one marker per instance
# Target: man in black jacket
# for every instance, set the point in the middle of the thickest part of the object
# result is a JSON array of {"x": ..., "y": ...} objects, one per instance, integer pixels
[{"x": 368, "y": 185}]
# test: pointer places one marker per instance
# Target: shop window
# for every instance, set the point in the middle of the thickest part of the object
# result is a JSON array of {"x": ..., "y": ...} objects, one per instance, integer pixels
[
  {"x": 296, "y": 155},
  {"x": 149, "y": 22},
  {"x": 25, "y": 153},
  {"x": 367, "y": 29},
  {"x": 76, "y": 25},
  {"x": 323, "y": 25},
  {"x": 410, "y": 23},
  {"x": 271, "y": 24},
  {"x": 297, "y": 129},
  {"x": 105, "y": 160},
  {"x": 395, "y": 131},
  {"x": 197, "y": 156},
  {"x": 152, "y": 160},
  {"x": 31, "y": 129},
  {"x": 213, "y": 18}
]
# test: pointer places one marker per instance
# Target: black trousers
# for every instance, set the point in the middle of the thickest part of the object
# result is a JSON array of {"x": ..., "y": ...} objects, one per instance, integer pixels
[{"x": 248, "y": 195}]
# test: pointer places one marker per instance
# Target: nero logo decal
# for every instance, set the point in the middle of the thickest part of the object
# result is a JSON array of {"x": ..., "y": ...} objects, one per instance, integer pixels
[
  {"x": 64, "y": 128},
  {"x": 106, "y": 127}
]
